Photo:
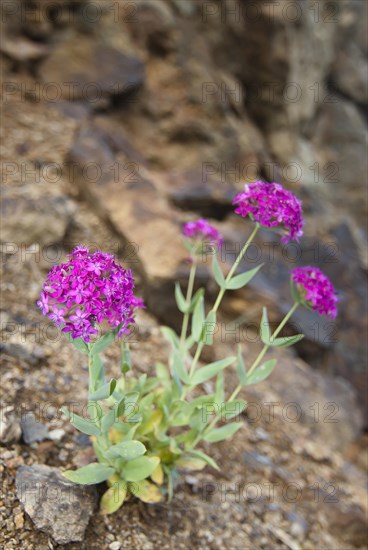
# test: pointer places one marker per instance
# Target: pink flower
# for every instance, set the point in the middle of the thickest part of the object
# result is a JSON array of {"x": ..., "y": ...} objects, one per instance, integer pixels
[
  {"x": 43, "y": 303},
  {"x": 271, "y": 206},
  {"x": 89, "y": 288},
  {"x": 201, "y": 230},
  {"x": 316, "y": 289}
]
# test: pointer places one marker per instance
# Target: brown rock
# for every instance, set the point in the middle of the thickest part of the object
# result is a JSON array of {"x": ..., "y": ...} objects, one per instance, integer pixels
[
  {"x": 28, "y": 221},
  {"x": 91, "y": 73},
  {"x": 153, "y": 25},
  {"x": 131, "y": 204}
]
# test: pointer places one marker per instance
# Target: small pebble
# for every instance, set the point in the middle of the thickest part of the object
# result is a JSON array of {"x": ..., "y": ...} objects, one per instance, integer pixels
[
  {"x": 57, "y": 434},
  {"x": 19, "y": 521},
  {"x": 116, "y": 545}
]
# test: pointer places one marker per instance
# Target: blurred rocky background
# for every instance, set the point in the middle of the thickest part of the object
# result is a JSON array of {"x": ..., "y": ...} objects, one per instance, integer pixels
[{"x": 124, "y": 119}]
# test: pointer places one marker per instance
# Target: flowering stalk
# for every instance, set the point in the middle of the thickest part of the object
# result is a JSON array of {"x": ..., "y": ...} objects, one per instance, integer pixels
[
  {"x": 235, "y": 265},
  {"x": 223, "y": 290},
  {"x": 188, "y": 298},
  {"x": 265, "y": 348}
]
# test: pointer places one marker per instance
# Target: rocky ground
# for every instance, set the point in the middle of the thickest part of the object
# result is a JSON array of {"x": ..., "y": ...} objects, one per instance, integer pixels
[{"x": 170, "y": 112}]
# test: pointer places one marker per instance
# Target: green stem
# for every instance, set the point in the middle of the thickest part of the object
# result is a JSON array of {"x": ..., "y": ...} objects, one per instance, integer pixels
[
  {"x": 235, "y": 265},
  {"x": 196, "y": 358},
  {"x": 266, "y": 347},
  {"x": 223, "y": 290},
  {"x": 184, "y": 327}
]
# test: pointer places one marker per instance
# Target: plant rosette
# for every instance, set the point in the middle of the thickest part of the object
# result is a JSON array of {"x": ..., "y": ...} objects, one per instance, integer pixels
[{"x": 146, "y": 429}]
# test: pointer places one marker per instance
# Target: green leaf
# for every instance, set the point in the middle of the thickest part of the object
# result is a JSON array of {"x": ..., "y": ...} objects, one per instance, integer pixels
[
  {"x": 180, "y": 300},
  {"x": 162, "y": 372},
  {"x": 209, "y": 328},
  {"x": 126, "y": 449},
  {"x": 79, "y": 343},
  {"x": 197, "y": 296},
  {"x": 140, "y": 468},
  {"x": 232, "y": 408},
  {"x": 199, "y": 419},
  {"x": 203, "y": 456},
  {"x": 217, "y": 271},
  {"x": 108, "y": 420},
  {"x": 265, "y": 332},
  {"x": 240, "y": 368},
  {"x": 239, "y": 281},
  {"x": 198, "y": 320},
  {"x": 126, "y": 362},
  {"x": 104, "y": 391},
  {"x": 219, "y": 434},
  {"x": 170, "y": 336},
  {"x": 262, "y": 372},
  {"x": 179, "y": 368},
  {"x": 205, "y": 373},
  {"x": 199, "y": 402},
  {"x": 219, "y": 392},
  {"x": 114, "y": 497},
  {"x": 128, "y": 405},
  {"x": 105, "y": 341},
  {"x": 82, "y": 424},
  {"x": 90, "y": 475},
  {"x": 286, "y": 341}
]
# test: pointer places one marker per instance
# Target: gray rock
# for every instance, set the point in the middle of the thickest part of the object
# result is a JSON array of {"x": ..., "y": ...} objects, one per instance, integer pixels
[
  {"x": 56, "y": 506},
  {"x": 33, "y": 430},
  {"x": 349, "y": 73}
]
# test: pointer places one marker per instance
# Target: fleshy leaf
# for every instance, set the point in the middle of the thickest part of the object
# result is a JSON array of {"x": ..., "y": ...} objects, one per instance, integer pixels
[
  {"x": 108, "y": 420},
  {"x": 180, "y": 300},
  {"x": 219, "y": 434},
  {"x": 170, "y": 336},
  {"x": 265, "y": 332},
  {"x": 146, "y": 491},
  {"x": 79, "y": 343},
  {"x": 114, "y": 497},
  {"x": 262, "y": 372},
  {"x": 197, "y": 296},
  {"x": 203, "y": 456},
  {"x": 207, "y": 372},
  {"x": 217, "y": 271},
  {"x": 105, "y": 341},
  {"x": 90, "y": 474},
  {"x": 232, "y": 408},
  {"x": 239, "y": 281},
  {"x": 190, "y": 463},
  {"x": 140, "y": 468},
  {"x": 158, "y": 475},
  {"x": 179, "y": 367},
  {"x": 84, "y": 425},
  {"x": 104, "y": 391},
  {"x": 198, "y": 320},
  {"x": 128, "y": 450},
  {"x": 286, "y": 341}
]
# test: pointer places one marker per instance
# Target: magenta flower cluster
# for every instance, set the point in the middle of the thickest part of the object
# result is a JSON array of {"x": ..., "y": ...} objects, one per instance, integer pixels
[
  {"x": 201, "y": 230},
  {"x": 317, "y": 290},
  {"x": 88, "y": 289},
  {"x": 271, "y": 206}
]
